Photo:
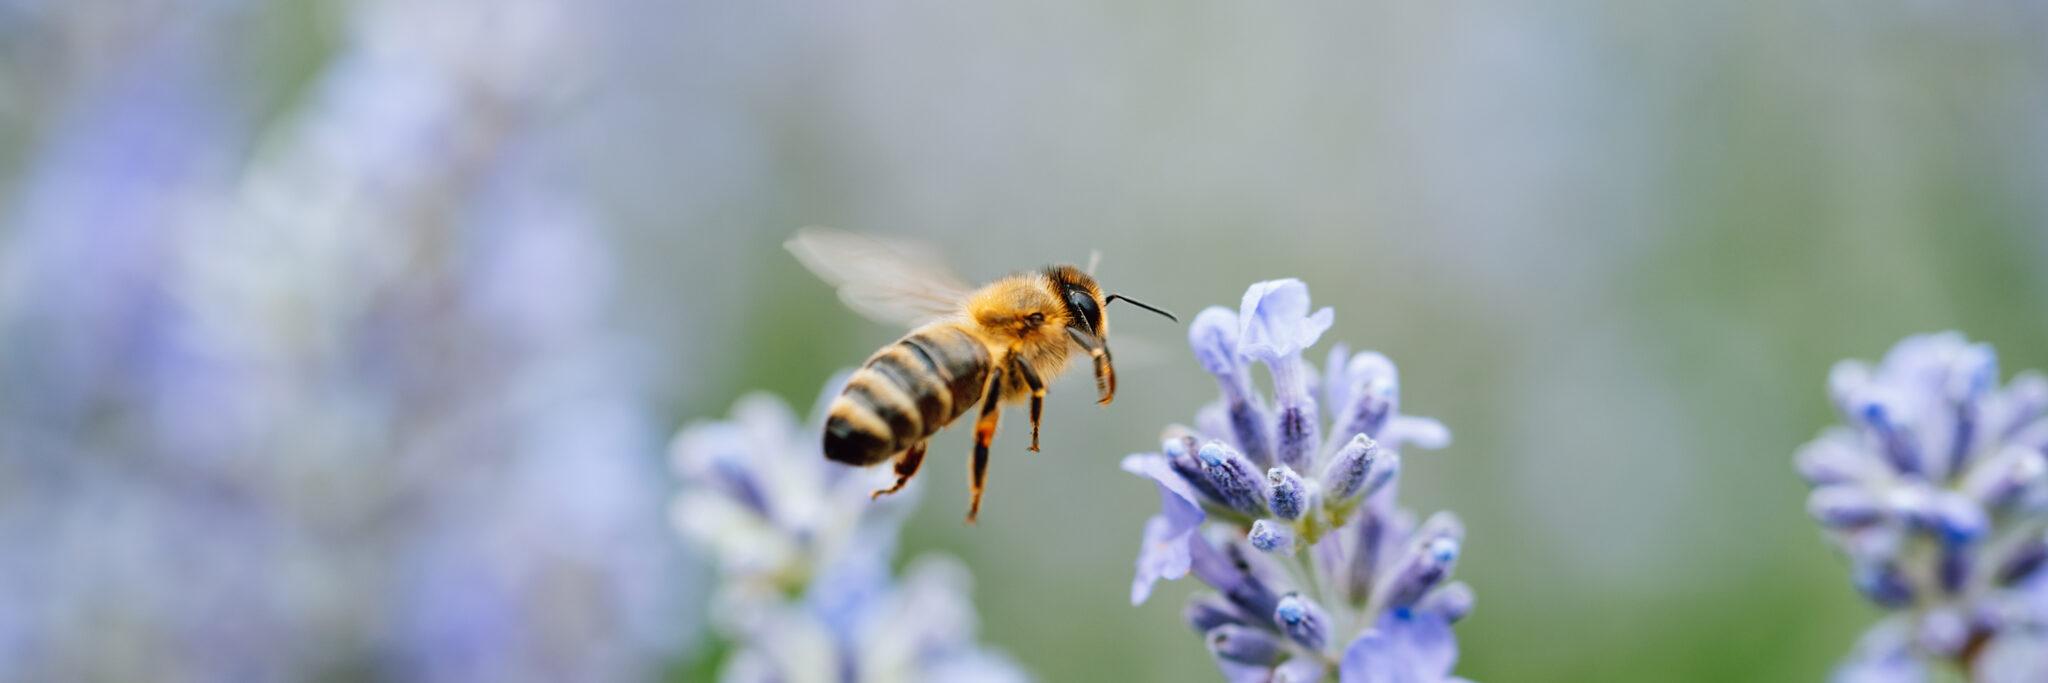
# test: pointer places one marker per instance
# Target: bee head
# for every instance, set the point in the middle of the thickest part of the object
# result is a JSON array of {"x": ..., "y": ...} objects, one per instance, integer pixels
[
  {"x": 1082, "y": 297},
  {"x": 1084, "y": 301}
]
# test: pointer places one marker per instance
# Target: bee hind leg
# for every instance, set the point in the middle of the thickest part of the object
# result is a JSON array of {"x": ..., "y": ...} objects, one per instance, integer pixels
[
  {"x": 906, "y": 467},
  {"x": 1037, "y": 395},
  {"x": 984, "y": 433}
]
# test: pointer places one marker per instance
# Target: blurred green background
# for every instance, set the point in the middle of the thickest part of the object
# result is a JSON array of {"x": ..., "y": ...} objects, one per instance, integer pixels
[{"x": 1614, "y": 246}]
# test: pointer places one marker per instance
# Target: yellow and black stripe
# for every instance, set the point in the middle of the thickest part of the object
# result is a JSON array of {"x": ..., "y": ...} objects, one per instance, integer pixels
[{"x": 905, "y": 393}]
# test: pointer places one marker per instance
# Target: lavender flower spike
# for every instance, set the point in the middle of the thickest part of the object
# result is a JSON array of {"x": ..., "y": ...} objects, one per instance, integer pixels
[
  {"x": 1934, "y": 488},
  {"x": 805, "y": 589},
  {"x": 1316, "y": 570}
]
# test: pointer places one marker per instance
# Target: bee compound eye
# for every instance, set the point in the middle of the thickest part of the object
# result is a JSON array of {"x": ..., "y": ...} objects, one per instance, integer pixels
[{"x": 1083, "y": 306}]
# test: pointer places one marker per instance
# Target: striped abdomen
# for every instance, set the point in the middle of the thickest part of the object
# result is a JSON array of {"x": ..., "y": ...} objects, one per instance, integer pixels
[{"x": 905, "y": 393}]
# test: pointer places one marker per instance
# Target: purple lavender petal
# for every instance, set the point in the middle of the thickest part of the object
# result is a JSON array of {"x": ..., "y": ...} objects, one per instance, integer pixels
[{"x": 1401, "y": 648}]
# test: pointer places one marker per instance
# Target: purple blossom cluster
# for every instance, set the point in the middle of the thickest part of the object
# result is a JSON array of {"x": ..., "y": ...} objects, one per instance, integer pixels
[
  {"x": 332, "y": 397},
  {"x": 804, "y": 591},
  {"x": 1935, "y": 488},
  {"x": 1291, "y": 518}
]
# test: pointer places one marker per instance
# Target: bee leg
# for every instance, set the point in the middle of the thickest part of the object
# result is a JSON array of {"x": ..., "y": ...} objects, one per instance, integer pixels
[
  {"x": 984, "y": 432},
  {"x": 1037, "y": 395},
  {"x": 906, "y": 467},
  {"x": 1105, "y": 372}
]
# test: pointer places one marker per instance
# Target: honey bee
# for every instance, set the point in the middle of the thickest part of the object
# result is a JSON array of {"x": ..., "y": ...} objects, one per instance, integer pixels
[{"x": 989, "y": 346}]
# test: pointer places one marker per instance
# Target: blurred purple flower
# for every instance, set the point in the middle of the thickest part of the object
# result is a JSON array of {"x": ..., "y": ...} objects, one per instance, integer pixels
[
  {"x": 803, "y": 556},
  {"x": 1317, "y": 569},
  {"x": 306, "y": 400},
  {"x": 1936, "y": 489}
]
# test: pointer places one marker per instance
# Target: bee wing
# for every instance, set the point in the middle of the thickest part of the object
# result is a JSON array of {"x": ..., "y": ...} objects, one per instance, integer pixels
[{"x": 889, "y": 281}]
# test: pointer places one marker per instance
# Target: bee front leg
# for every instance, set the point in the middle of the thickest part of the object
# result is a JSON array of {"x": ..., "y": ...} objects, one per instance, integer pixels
[
  {"x": 1105, "y": 372},
  {"x": 906, "y": 467},
  {"x": 984, "y": 432},
  {"x": 1037, "y": 386}
]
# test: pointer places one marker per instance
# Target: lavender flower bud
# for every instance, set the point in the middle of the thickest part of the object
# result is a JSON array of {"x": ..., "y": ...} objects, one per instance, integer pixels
[
  {"x": 1369, "y": 529},
  {"x": 1213, "y": 334},
  {"x": 1298, "y": 433},
  {"x": 1453, "y": 601},
  {"x": 739, "y": 482},
  {"x": 1230, "y": 572},
  {"x": 1897, "y": 438},
  {"x": 1286, "y": 493},
  {"x": 1831, "y": 459},
  {"x": 1244, "y": 645},
  {"x": 1973, "y": 373},
  {"x": 2025, "y": 400},
  {"x": 2006, "y": 477},
  {"x": 1303, "y": 621},
  {"x": 2024, "y": 561},
  {"x": 1272, "y": 537},
  {"x": 1960, "y": 519},
  {"x": 1847, "y": 382},
  {"x": 1844, "y": 506},
  {"x": 1180, "y": 455},
  {"x": 1373, "y": 398},
  {"x": 1206, "y": 613},
  {"x": 1954, "y": 567},
  {"x": 1427, "y": 565},
  {"x": 1233, "y": 477},
  {"x": 1884, "y": 584},
  {"x": 1248, "y": 425},
  {"x": 1356, "y": 469}
]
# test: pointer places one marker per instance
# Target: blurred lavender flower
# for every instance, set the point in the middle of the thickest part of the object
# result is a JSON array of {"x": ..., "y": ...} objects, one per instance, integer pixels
[
  {"x": 351, "y": 410},
  {"x": 1318, "y": 570},
  {"x": 803, "y": 555},
  {"x": 1936, "y": 489}
]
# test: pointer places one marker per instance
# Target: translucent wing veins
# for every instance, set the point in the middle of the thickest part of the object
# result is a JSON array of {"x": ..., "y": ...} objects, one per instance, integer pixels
[{"x": 888, "y": 281}]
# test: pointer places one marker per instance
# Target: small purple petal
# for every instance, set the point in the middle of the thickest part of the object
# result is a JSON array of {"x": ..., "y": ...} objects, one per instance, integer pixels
[
  {"x": 1164, "y": 554},
  {"x": 1452, "y": 602},
  {"x": 1411, "y": 648},
  {"x": 1421, "y": 431},
  {"x": 1274, "y": 320},
  {"x": 1943, "y": 631},
  {"x": 1299, "y": 670}
]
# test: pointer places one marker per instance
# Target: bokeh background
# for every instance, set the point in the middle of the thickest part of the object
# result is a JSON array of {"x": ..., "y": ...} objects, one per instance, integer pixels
[{"x": 341, "y": 340}]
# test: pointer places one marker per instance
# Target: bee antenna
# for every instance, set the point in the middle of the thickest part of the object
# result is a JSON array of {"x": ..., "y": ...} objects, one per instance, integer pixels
[
  {"x": 1094, "y": 259},
  {"x": 1140, "y": 304}
]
